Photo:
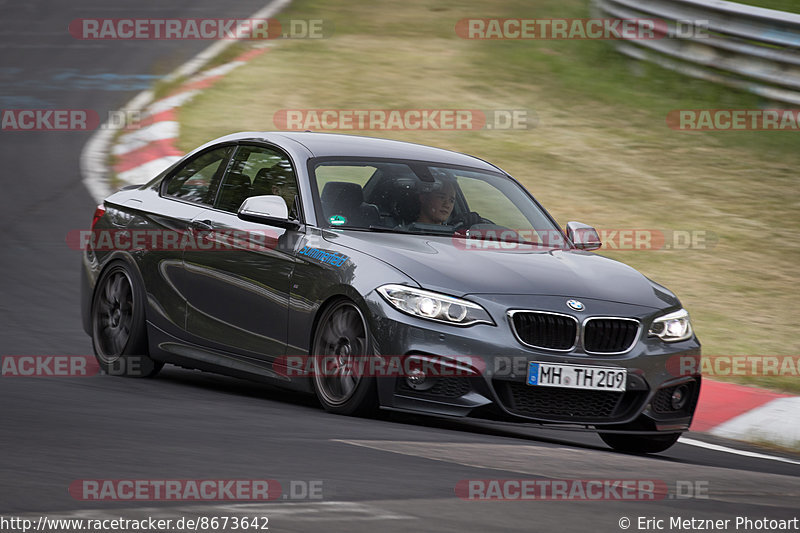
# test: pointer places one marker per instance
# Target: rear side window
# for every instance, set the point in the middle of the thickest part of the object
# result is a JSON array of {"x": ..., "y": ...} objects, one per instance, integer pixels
[
  {"x": 258, "y": 171},
  {"x": 198, "y": 179}
]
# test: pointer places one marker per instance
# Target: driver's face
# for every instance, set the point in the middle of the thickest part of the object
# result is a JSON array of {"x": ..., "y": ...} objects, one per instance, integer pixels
[{"x": 437, "y": 205}]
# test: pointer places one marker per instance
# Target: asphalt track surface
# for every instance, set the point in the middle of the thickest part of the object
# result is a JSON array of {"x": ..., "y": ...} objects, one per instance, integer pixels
[{"x": 394, "y": 473}]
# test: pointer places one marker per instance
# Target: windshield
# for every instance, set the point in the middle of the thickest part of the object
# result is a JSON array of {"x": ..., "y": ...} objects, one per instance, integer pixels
[{"x": 416, "y": 197}]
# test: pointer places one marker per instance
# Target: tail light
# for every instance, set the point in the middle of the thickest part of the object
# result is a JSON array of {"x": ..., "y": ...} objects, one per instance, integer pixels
[{"x": 99, "y": 211}]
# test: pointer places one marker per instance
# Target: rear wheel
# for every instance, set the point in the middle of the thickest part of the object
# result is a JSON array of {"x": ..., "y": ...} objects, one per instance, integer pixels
[
  {"x": 640, "y": 443},
  {"x": 119, "y": 334},
  {"x": 342, "y": 345}
]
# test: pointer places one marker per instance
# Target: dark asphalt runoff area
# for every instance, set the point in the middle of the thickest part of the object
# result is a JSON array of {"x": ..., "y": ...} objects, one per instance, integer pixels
[{"x": 394, "y": 473}]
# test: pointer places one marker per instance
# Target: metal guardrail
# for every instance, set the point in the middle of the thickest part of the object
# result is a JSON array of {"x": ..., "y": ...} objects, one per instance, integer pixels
[{"x": 749, "y": 48}]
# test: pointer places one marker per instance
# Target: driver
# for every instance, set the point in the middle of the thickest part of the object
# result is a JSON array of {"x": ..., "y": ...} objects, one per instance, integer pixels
[{"x": 437, "y": 205}]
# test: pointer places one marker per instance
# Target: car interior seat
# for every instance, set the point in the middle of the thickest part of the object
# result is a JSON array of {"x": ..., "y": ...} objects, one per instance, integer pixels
[{"x": 347, "y": 200}]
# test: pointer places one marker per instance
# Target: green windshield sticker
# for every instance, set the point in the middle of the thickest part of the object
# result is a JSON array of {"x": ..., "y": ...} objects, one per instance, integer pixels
[{"x": 337, "y": 220}]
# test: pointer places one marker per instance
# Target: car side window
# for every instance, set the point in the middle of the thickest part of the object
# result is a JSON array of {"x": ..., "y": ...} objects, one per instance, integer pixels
[
  {"x": 258, "y": 171},
  {"x": 484, "y": 198},
  {"x": 197, "y": 180}
]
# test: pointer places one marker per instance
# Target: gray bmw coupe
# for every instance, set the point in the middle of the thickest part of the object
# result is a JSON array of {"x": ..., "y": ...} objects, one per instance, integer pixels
[{"x": 383, "y": 274}]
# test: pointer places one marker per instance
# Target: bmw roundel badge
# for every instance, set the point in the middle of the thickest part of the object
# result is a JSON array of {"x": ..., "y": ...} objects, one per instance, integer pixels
[{"x": 576, "y": 305}]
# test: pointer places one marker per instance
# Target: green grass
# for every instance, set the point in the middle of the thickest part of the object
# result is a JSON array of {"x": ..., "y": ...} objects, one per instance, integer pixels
[
  {"x": 601, "y": 152},
  {"x": 781, "y": 5}
]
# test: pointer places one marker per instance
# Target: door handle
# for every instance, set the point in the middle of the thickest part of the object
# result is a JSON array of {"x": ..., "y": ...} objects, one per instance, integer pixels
[{"x": 201, "y": 225}]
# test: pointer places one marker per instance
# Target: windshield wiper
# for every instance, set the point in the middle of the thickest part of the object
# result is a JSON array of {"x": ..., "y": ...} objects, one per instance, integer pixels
[
  {"x": 447, "y": 232},
  {"x": 384, "y": 229}
]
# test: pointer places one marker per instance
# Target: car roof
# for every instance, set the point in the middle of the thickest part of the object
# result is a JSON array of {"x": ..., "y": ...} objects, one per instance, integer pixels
[{"x": 341, "y": 145}]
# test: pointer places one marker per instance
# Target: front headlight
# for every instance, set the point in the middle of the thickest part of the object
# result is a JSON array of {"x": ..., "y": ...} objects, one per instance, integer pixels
[
  {"x": 434, "y": 306},
  {"x": 673, "y": 327}
]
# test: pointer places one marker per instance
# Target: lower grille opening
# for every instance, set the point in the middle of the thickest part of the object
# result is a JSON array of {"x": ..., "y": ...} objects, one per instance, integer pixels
[{"x": 554, "y": 403}]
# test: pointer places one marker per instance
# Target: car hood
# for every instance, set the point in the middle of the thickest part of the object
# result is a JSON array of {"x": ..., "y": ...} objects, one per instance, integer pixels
[{"x": 443, "y": 264}]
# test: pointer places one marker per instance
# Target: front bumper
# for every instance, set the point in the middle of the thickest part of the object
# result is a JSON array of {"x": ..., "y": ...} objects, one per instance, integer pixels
[{"x": 495, "y": 386}]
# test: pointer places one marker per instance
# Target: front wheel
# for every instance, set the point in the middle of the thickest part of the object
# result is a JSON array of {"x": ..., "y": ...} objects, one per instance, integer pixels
[
  {"x": 342, "y": 344},
  {"x": 119, "y": 334},
  {"x": 640, "y": 443}
]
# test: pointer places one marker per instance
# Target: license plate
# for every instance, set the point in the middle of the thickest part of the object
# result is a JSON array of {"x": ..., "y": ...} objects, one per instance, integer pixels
[{"x": 577, "y": 376}]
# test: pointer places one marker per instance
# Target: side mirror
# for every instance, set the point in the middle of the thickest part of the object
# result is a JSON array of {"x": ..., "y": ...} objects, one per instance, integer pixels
[
  {"x": 267, "y": 209},
  {"x": 583, "y": 237}
]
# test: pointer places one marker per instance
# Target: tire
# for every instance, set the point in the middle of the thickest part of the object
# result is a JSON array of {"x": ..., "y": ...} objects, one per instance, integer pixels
[
  {"x": 639, "y": 443},
  {"x": 341, "y": 340},
  {"x": 119, "y": 334}
]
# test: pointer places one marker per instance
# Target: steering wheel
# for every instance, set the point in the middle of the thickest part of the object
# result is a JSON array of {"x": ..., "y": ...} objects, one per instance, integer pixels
[{"x": 467, "y": 220}]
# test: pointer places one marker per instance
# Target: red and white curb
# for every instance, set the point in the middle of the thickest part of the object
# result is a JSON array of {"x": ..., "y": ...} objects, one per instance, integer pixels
[
  {"x": 747, "y": 413},
  {"x": 95, "y": 171},
  {"x": 149, "y": 146}
]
